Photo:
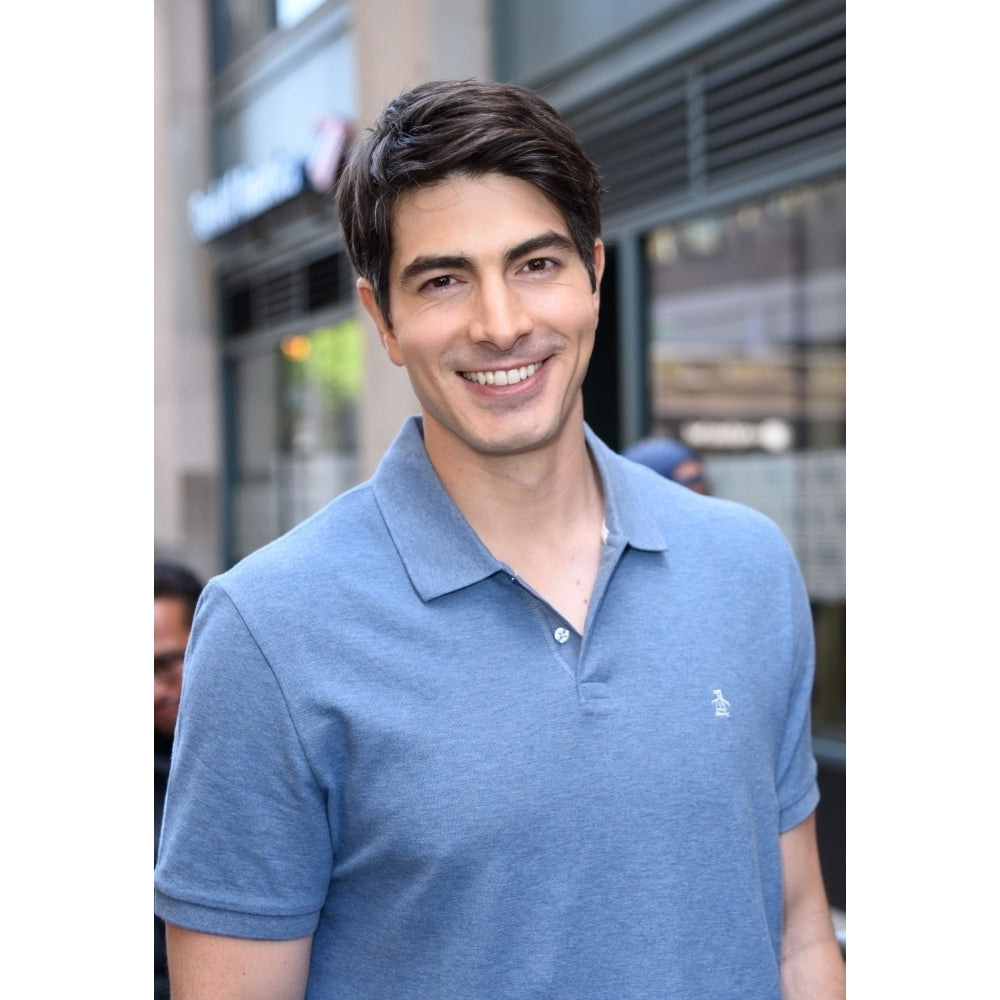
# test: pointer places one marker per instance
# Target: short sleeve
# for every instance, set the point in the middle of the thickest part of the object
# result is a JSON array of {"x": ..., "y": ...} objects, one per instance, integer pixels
[
  {"x": 245, "y": 848},
  {"x": 795, "y": 775}
]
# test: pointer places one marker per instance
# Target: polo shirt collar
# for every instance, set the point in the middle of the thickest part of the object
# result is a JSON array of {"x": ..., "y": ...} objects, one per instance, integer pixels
[
  {"x": 438, "y": 548},
  {"x": 628, "y": 514}
]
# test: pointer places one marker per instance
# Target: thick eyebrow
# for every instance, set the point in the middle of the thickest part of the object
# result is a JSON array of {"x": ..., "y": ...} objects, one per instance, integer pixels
[
  {"x": 550, "y": 240},
  {"x": 535, "y": 244},
  {"x": 430, "y": 262}
]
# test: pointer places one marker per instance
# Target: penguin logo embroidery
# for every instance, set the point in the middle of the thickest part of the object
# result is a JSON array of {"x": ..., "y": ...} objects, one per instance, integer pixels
[{"x": 720, "y": 704}]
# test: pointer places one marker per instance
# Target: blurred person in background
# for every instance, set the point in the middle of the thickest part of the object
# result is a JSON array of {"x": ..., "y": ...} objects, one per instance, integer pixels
[
  {"x": 672, "y": 460},
  {"x": 516, "y": 717},
  {"x": 175, "y": 594}
]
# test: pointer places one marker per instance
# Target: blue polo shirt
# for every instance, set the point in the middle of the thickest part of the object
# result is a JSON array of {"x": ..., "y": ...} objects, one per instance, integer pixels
[{"x": 388, "y": 741}]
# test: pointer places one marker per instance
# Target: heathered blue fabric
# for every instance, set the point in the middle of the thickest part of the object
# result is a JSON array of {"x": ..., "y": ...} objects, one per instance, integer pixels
[{"x": 381, "y": 742}]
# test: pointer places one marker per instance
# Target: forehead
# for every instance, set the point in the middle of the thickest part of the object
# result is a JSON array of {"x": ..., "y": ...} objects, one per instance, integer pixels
[{"x": 471, "y": 215}]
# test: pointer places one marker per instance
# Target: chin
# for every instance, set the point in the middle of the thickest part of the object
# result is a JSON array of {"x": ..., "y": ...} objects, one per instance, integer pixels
[{"x": 511, "y": 444}]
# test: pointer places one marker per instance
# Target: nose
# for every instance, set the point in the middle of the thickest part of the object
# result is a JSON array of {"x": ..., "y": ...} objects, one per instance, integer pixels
[{"x": 500, "y": 316}]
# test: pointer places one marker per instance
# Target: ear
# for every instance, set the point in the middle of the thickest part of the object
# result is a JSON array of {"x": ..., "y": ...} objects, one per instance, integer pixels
[
  {"x": 599, "y": 261},
  {"x": 385, "y": 334}
]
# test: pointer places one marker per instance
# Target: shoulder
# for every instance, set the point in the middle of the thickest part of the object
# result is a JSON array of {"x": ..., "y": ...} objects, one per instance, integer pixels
[
  {"x": 646, "y": 500},
  {"x": 307, "y": 558}
]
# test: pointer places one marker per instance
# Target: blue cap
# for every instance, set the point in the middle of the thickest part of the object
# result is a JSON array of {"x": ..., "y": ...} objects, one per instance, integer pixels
[{"x": 662, "y": 455}]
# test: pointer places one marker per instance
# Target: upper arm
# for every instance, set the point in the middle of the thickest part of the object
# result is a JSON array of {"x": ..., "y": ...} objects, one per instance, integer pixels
[
  {"x": 212, "y": 967},
  {"x": 802, "y": 878},
  {"x": 810, "y": 956}
]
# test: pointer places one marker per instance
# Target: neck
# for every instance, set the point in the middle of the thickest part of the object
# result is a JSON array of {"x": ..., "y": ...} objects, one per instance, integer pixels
[
  {"x": 500, "y": 493},
  {"x": 539, "y": 512}
]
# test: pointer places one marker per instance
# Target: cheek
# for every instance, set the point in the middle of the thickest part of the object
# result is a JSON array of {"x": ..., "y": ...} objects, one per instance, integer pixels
[
  {"x": 574, "y": 312},
  {"x": 423, "y": 339},
  {"x": 586, "y": 323}
]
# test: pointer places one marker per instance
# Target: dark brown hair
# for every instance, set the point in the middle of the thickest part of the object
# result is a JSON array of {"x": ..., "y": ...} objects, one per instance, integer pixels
[
  {"x": 465, "y": 127},
  {"x": 173, "y": 579}
]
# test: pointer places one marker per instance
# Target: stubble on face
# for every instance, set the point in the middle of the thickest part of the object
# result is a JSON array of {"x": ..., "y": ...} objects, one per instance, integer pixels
[{"x": 493, "y": 314}]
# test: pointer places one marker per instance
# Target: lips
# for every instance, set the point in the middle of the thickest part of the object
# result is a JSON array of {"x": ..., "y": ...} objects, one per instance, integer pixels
[{"x": 502, "y": 376}]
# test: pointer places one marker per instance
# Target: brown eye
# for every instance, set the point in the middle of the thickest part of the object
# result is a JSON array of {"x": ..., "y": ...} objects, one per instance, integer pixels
[
  {"x": 539, "y": 265},
  {"x": 438, "y": 282}
]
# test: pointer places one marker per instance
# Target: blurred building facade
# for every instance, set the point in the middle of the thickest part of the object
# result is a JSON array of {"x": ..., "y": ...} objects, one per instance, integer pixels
[{"x": 719, "y": 127}]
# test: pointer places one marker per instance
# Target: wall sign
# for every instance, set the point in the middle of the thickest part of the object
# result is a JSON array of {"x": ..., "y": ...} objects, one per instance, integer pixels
[
  {"x": 244, "y": 192},
  {"x": 772, "y": 435}
]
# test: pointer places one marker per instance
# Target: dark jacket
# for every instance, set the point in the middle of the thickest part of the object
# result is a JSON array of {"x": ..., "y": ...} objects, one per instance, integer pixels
[{"x": 162, "y": 747}]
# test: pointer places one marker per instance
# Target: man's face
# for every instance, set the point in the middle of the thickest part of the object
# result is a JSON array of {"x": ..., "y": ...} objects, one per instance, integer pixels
[
  {"x": 493, "y": 313},
  {"x": 170, "y": 636},
  {"x": 690, "y": 473}
]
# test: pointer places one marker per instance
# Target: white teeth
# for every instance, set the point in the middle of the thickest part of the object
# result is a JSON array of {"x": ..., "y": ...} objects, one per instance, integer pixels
[{"x": 502, "y": 376}]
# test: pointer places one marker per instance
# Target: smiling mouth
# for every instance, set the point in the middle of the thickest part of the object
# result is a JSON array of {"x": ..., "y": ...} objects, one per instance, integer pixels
[{"x": 502, "y": 376}]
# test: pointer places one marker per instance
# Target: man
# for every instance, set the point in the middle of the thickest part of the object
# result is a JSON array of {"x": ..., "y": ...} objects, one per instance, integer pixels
[
  {"x": 516, "y": 718},
  {"x": 175, "y": 594},
  {"x": 672, "y": 459}
]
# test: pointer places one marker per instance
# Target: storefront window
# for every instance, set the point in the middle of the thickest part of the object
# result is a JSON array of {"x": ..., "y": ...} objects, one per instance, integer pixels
[
  {"x": 296, "y": 446},
  {"x": 746, "y": 362},
  {"x": 290, "y": 12},
  {"x": 237, "y": 26}
]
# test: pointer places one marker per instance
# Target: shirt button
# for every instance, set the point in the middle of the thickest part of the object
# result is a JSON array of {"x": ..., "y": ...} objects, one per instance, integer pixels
[{"x": 561, "y": 635}]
